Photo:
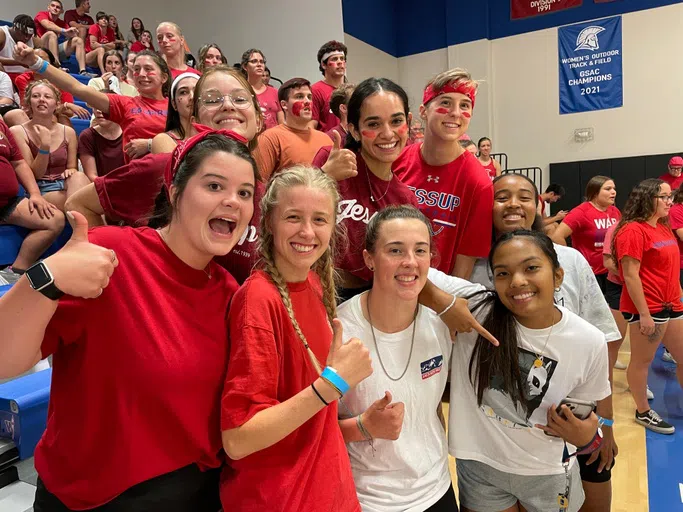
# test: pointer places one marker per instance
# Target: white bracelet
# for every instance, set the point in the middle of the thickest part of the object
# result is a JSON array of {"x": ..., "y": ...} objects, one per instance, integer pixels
[
  {"x": 149, "y": 145},
  {"x": 447, "y": 307},
  {"x": 37, "y": 64}
]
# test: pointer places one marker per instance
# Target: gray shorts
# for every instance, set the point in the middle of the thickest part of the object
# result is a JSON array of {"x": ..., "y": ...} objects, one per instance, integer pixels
[
  {"x": 62, "y": 52},
  {"x": 484, "y": 489}
]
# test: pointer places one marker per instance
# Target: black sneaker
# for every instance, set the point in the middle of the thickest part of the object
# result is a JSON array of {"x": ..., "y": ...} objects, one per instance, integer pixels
[{"x": 653, "y": 421}]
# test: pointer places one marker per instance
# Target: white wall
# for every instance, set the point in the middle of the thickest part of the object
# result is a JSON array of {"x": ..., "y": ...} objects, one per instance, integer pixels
[
  {"x": 416, "y": 70},
  {"x": 365, "y": 61},
  {"x": 289, "y": 34},
  {"x": 527, "y": 124}
]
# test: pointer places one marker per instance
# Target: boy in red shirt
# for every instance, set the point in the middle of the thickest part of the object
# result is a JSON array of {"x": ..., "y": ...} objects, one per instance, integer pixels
[
  {"x": 674, "y": 177},
  {"x": 101, "y": 38},
  {"x": 332, "y": 64},
  {"x": 50, "y": 27},
  {"x": 447, "y": 180},
  {"x": 79, "y": 18}
]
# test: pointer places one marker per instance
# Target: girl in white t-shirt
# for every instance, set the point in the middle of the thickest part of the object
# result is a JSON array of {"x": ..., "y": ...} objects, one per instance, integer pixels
[
  {"x": 506, "y": 397},
  {"x": 393, "y": 426}
]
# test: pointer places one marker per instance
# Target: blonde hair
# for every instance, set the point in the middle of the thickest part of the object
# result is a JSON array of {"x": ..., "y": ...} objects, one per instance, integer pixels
[
  {"x": 306, "y": 176},
  {"x": 455, "y": 77},
  {"x": 174, "y": 25},
  {"x": 29, "y": 91}
]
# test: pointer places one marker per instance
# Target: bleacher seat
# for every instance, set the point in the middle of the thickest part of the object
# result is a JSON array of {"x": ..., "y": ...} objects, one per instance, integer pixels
[
  {"x": 23, "y": 410},
  {"x": 11, "y": 238},
  {"x": 79, "y": 124}
]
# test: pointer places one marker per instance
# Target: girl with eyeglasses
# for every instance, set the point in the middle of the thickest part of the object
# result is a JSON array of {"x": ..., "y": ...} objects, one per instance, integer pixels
[
  {"x": 253, "y": 66},
  {"x": 646, "y": 251}
]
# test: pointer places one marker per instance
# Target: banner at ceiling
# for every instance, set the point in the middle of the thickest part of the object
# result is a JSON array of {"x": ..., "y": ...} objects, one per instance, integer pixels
[
  {"x": 520, "y": 9},
  {"x": 590, "y": 58},
  {"x": 604, "y": 1}
]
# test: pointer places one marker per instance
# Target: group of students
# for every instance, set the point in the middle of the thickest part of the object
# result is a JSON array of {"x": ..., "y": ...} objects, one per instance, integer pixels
[{"x": 200, "y": 340}]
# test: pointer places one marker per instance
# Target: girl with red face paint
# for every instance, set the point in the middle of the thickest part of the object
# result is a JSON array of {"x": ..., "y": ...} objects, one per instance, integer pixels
[
  {"x": 378, "y": 123},
  {"x": 450, "y": 188},
  {"x": 492, "y": 167},
  {"x": 141, "y": 117},
  {"x": 172, "y": 47}
]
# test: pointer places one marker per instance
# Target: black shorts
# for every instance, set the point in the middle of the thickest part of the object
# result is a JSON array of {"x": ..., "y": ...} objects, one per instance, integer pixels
[
  {"x": 602, "y": 281},
  {"x": 589, "y": 472},
  {"x": 660, "y": 317},
  {"x": 8, "y": 209},
  {"x": 613, "y": 294}
]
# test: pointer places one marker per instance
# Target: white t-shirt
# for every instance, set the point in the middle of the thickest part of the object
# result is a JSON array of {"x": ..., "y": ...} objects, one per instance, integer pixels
[
  {"x": 7, "y": 51},
  {"x": 501, "y": 435},
  {"x": 6, "y": 89},
  {"x": 579, "y": 293},
  {"x": 411, "y": 473}
]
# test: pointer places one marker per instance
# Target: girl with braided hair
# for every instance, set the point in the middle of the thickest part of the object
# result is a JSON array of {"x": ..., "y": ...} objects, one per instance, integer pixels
[{"x": 279, "y": 407}]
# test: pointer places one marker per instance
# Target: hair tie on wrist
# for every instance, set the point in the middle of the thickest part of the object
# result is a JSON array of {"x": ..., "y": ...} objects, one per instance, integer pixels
[{"x": 43, "y": 152}]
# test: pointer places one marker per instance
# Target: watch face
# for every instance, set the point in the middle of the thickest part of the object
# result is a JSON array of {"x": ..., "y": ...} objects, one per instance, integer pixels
[{"x": 38, "y": 276}]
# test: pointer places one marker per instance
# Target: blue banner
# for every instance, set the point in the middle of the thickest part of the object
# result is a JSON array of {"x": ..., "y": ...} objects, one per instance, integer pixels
[{"x": 590, "y": 57}]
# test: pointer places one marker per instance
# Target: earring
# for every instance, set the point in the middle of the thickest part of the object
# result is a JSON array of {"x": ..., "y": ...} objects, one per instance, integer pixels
[
  {"x": 372, "y": 269},
  {"x": 557, "y": 289}
]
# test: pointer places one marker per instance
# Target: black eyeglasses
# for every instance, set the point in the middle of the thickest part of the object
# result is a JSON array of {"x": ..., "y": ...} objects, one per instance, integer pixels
[
  {"x": 665, "y": 198},
  {"x": 239, "y": 98}
]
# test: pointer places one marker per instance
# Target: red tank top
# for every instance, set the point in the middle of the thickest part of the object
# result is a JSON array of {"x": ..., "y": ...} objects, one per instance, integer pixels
[
  {"x": 57, "y": 161},
  {"x": 490, "y": 168}
]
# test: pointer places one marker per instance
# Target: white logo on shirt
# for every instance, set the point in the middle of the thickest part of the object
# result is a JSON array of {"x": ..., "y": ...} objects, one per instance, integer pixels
[
  {"x": 435, "y": 179},
  {"x": 351, "y": 209}
]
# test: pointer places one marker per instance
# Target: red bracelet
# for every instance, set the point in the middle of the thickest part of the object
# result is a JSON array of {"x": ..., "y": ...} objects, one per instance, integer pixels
[{"x": 585, "y": 450}]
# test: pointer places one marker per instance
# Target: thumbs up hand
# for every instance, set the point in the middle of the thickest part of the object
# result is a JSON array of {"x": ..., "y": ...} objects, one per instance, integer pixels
[
  {"x": 384, "y": 419},
  {"x": 350, "y": 359},
  {"x": 341, "y": 164},
  {"x": 82, "y": 269}
]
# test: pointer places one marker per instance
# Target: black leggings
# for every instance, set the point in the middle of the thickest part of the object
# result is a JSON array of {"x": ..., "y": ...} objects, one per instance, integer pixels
[
  {"x": 447, "y": 503},
  {"x": 187, "y": 489}
]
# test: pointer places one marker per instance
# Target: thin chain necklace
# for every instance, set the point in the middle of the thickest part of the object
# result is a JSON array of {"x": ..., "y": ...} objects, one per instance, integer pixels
[
  {"x": 539, "y": 357},
  {"x": 379, "y": 356},
  {"x": 372, "y": 197},
  {"x": 208, "y": 273}
]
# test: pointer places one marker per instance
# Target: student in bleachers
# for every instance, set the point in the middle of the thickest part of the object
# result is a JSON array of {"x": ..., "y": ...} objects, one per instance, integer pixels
[
  {"x": 646, "y": 251},
  {"x": 447, "y": 180},
  {"x": 378, "y": 117},
  {"x": 210, "y": 55},
  {"x": 23, "y": 30},
  {"x": 278, "y": 412},
  {"x": 99, "y": 147},
  {"x": 339, "y": 101},
  {"x": 146, "y": 42},
  {"x": 253, "y": 65},
  {"x": 7, "y": 94},
  {"x": 136, "y": 29},
  {"x": 101, "y": 38},
  {"x": 50, "y": 28},
  {"x": 492, "y": 167},
  {"x": 49, "y": 147},
  {"x": 43, "y": 220},
  {"x": 172, "y": 47},
  {"x": 469, "y": 145},
  {"x": 392, "y": 421},
  {"x": 79, "y": 18},
  {"x": 178, "y": 121},
  {"x": 294, "y": 141},
  {"x": 141, "y": 117},
  {"x": 588, "y": 222},
  {"x": 332, "y": 64},
  {"x": 113, "y": 78},
  {"x": 164, "y": 459},
  {"x": 129, "y": 69},
  {"x": 674, "y": 177},
  {"x": 114, "y": 25}
]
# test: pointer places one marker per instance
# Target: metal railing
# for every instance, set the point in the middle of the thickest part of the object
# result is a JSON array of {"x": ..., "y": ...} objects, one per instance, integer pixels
[
  {"x": 502, "y": 159},
  {"x": 535, "y": 174}
]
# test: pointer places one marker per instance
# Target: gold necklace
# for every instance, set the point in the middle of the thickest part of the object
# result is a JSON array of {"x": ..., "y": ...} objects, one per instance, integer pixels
[{"x": 539, "y": 357}]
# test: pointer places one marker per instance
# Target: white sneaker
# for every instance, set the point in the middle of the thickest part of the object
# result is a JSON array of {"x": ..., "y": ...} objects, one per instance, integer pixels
[
  {"x": 619, "y": 365},
  {"x": 650, "y": 394},
  {"x": 667, "y": 357}
]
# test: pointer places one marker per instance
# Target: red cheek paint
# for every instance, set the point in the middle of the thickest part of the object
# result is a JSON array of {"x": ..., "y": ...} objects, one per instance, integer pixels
[
  {"x": 442, "y": 110},
  {"x": 151, "y": 73},
  {"x": 368, "y": 134},
  {"x": 402, "y": 129},
  {"x": 136, "y": 73},
  {"x": 298, "y": 106},
  {"x": 468, "y": 115}
]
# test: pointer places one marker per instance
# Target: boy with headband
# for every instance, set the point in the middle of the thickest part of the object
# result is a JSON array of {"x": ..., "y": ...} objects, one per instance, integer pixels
[{"x": 332, "y": 64}]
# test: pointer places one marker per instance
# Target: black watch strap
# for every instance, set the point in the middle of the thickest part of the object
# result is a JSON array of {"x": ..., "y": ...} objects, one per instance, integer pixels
[{"x": 41, "y": 280}]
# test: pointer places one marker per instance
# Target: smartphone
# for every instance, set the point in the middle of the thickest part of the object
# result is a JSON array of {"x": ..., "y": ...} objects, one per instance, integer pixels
[{"x": 580, "y": 408}]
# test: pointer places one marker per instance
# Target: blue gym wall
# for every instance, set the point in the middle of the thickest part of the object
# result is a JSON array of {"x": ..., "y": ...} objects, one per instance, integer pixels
[{"x": 403, "y": 27}]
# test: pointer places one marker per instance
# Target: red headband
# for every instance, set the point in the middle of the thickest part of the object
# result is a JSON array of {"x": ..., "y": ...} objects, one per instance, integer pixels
[
  {"x": 184, "y": 147},
  {"x": 430, "y": 93}
]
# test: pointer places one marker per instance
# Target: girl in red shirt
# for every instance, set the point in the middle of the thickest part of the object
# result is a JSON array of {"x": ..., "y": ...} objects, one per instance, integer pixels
[
  {"x": 492, "y": 167},
  {"x": 588, "y": 223},
  {"x": 141, "y": 117},
  {"x": 172, "y": 47},
  {"x": 279, "y": 413},
  {"x": 144, "y": 375},
  {"x": 49, "y": 148},
  {"x": 649, "y": 263},
  {"x": 210, "y": 55},
  {"x": 378, "y": 117},
  {"x": 253, "y": 66}
]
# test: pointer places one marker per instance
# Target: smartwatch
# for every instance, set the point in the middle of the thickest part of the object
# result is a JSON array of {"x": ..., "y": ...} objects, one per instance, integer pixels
[{"x": 41, "y": 280}]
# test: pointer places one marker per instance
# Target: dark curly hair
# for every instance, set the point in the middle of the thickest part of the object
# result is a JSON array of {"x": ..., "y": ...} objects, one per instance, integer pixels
[{"x": 330, "y": 46}]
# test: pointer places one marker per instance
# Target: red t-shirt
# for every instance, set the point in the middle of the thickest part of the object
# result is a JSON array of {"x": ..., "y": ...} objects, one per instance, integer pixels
[
  {"x": 137, "y": 373},
  {"x": 356, "y": 209},
  {"x": 9, "y": 152},
  {"x": 22, "y": 82},
  {"x": 308, "y": 470},
  {"x": 676, "y": 222},
  {"x": 673, "y": 181},
  {"x": 339, "y": 129},
  {"x": 73, "y": 16},
  {"x": 45, "y": 15},
  {"x": 270, "y": 106},
  {"x": 607, "y": 251},
  {"x": 101, "y": 37},
  {"x": 137, "y": 47},
  {"x": 321, "y": 106},
  {"x": 657, "y": 251},
  {"x": 108, "y": 154},
  {"x": 139, "y": 117},
  {"x": 176, "y": 72},
  {"x": 588, "y": 225},
  {"x": 456, "y": 197}
]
